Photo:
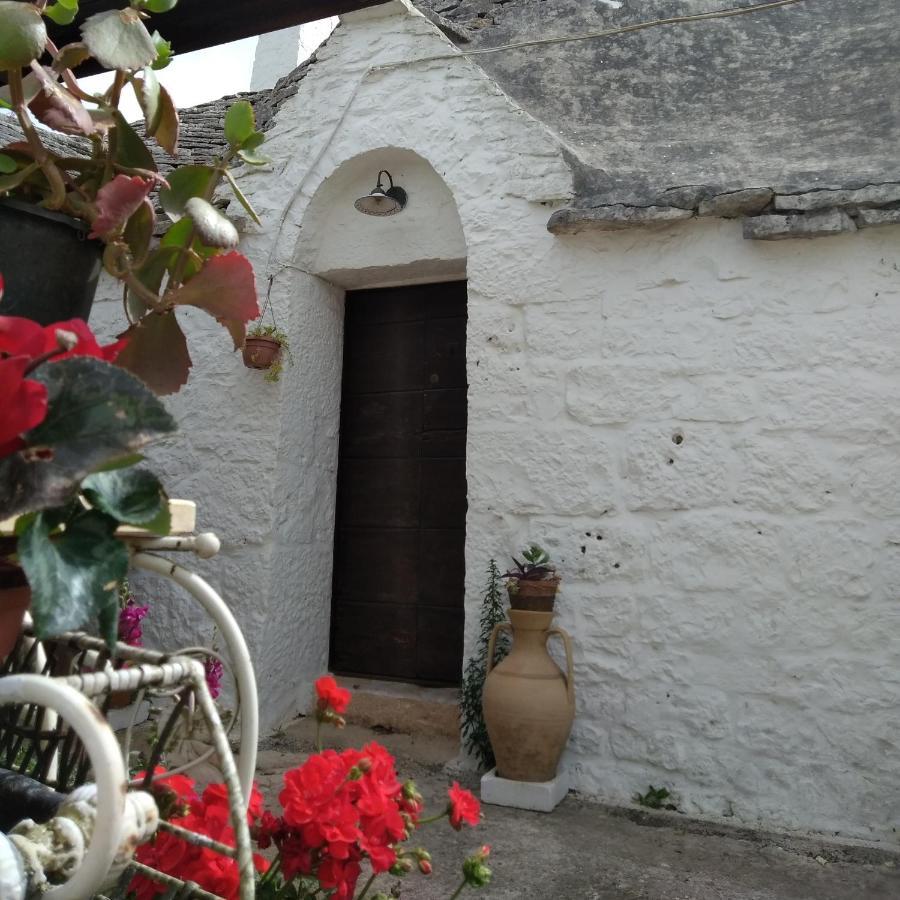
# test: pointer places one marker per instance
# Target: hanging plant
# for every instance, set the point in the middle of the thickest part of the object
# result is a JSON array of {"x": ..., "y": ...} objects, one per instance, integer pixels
[{"x": 266, "y": 345}]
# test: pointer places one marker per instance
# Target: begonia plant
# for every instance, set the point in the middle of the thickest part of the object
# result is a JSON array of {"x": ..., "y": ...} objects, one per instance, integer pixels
[
  {"x": 345, "y": 817},
  {"x": 109, "y": 186}
]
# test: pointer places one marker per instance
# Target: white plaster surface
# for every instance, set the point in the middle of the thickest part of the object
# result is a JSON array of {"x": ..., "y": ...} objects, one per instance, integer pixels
[{"x": 703, "y": 431}]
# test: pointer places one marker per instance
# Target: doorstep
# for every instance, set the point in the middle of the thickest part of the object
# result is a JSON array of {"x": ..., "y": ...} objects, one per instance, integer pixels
[{"x": 404, "y": 708}]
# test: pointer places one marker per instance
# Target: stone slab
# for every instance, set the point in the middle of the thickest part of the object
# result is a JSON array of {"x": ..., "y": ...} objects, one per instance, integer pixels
[
  {"x": 617, "y": 217},
  {"x": 538, "y": 796},
  {"x": 813, "y": 225}
]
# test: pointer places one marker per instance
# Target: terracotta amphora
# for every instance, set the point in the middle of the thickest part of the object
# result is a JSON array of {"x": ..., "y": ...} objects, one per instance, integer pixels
[{"x": 528, "y": 703}]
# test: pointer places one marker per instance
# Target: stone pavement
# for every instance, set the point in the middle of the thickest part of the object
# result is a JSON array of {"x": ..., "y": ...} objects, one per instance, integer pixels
[{"x": 588, "y": 851}]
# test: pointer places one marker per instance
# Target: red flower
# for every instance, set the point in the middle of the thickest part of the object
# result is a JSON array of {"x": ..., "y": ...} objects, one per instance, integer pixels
[
  {"x": 24, "y": 403},
  {"x": 331, "y": 696},
  {"x": 463, "y": 807}
]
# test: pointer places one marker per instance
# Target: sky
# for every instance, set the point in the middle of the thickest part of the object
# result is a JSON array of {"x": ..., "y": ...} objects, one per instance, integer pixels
[{"x": 216, "y": 72}]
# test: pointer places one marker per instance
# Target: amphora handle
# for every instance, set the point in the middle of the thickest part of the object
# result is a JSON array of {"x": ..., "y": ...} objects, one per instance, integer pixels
[
  {"x": 500, "y": 626},
  {"x": 567, "y": 643}
]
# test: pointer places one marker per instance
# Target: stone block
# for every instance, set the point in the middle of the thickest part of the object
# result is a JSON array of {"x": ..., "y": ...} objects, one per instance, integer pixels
[
  {"x": 614, "y": 218},
  {"x": 539, "y": 796},
  {"x": 608, "y": 394},
  {"x": 873, "y": 218},
  {"x": 859, "y": 198},
  {"x": 779, "y": 228},
  {"x": 733, "y": 205}
]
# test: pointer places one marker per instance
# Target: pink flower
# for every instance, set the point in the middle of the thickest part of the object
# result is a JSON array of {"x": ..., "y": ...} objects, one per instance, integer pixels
[
  {"x": 214, "y": 673},
  {"x": 130, "y": 629}
]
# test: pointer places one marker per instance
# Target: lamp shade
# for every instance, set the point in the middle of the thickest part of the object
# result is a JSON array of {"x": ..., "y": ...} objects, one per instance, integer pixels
[{"x": 381, "y": 202}]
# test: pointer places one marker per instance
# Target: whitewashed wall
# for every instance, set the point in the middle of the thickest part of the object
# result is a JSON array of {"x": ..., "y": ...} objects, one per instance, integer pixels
[{"x": 704, "y": 431}]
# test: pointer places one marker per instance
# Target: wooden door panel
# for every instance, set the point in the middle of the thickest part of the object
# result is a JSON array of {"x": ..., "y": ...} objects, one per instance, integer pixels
[
  {"x": 379, "y": 493},
  {"x": 443, "y": 493},
  {"x": 399, "y": 557},
  {"x": 382, "y": 425},
  {"x": 378, "y": 565},
  {"x": 379, "y": 358}
]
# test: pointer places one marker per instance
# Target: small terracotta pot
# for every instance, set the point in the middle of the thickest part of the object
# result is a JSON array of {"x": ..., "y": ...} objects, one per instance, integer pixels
[
  {"x": 532, "y": 595},
  {"x": 260, "y": 352}
]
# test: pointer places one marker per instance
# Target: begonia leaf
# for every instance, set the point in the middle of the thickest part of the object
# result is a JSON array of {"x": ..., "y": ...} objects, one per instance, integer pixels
[
  {"x": 71, "y": 56},
  {"x": 131, "y": 496},
  {"x": 240, "y": 123},
  {"x": 252, "y": 158},
  {"x": 157, "y": 353},
  {"x": 212, "y": 226},
  {"x": 224, "y": 287},
  {"x": 147, "y": 91},
  {"x": 23, "y": 34},
  {"x": 118, "y": 39},
  {"x": 57, "y": 108},
  {"x": 74, "y": 577},
  {"x": 60, "y": 14},
  {"x": 139, "y": 232},
  {"x": 167, "y": 130},
  {"x": 163, "y": 51},
  {"x": 97, "y": 412},
  {"x": 117, "y": 201},
  {"x": 160, "y": 6},
  {"x": 131, "y": 151},
  {"x": 185, "y": 182}
]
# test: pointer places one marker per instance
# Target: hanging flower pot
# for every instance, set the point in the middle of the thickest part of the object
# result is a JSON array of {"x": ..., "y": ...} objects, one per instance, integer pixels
[{"x": 264, "y": 348}]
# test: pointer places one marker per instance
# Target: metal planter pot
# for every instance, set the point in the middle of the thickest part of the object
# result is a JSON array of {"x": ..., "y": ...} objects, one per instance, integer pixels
[{"x": 49, "y": 267}]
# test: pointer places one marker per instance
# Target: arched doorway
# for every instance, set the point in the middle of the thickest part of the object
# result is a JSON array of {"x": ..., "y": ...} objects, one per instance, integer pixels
[{"x": 399, "y": 571}]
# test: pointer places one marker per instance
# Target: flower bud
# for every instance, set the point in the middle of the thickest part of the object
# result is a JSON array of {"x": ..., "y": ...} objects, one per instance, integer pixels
[
  {"x": 411, "y": 792},
  {"x": 475, "y": 872},
  {"x": 401, "y": 867},
  {"x": 424, "y": 866}
]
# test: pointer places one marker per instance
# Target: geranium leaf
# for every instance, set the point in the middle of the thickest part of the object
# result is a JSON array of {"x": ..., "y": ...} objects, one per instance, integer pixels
[
  {"x": 240, "y": 123},
  {"x": 97, "y": 413},
  {"x": 74, "y": 577},
  {"x": 157, "y": 353},
  {"x": 57, "y": 108},
  {"x": 224, "y": 287},
  {"x": 132, "y": 152},
  {"x": 117, "y": 201},
  {"x": 213, "y": 228},
  {"x": 241, "y": 198},
  {"x": 118, "y": 39},
  {"x": 167, "y": 130},
  {"x": 185, "y": 182},
  {"x": 23, "y": 34},
  {"x": 71, "y": 56},
  {"x": 139, "y": 232},
  {"x": 131, "y": 496},
  {"x": 160, "y": 6},
  {"x": 163, "y": 51},
  {"x": 147, "y": 91},
  {"x": 60, "y": 14}
]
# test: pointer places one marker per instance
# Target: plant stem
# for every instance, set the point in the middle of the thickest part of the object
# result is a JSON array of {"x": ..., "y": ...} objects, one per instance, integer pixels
[
  {"x": 431, "y": 819},
  {"x": 115, "y": 92},
  {"x": 41, "y": 157},
  {"x": 318, "y": 736},
  {"x": 366, "y": 886},
  {"x": 459, "y": 890}
]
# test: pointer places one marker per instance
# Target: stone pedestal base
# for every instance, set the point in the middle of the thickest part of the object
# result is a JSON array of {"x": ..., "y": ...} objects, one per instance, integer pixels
[{"x": 541, "y": 796}]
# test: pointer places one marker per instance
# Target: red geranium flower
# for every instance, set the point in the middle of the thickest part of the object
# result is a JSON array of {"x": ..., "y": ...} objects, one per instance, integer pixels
[
  {"x": 464, "y": 807},
  {"x": 331, "y": 696}
]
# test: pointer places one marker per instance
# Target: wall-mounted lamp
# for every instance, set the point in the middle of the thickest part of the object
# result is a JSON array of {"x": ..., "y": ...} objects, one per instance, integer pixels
[{"x": 382, "y": 202}]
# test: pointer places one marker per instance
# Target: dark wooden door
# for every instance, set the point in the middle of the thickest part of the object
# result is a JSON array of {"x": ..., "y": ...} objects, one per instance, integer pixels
[{"x": 397, "y": 602}]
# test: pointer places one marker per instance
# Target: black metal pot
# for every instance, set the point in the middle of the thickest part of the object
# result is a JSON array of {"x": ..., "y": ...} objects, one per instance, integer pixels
[{"x": 49, "y": 267}]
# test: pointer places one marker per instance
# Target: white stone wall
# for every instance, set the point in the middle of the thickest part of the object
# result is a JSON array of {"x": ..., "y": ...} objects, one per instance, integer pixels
[{"x": 702, "y": 430}]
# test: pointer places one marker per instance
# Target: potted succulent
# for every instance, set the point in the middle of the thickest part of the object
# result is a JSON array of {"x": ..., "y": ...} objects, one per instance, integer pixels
[
  {"x": 106, "y": 186},
  {"x": 264, "y": 348},
  {"x": 532, "y": 585}
]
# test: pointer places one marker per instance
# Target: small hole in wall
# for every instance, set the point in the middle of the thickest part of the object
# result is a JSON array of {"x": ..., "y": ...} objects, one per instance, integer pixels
[
  {"x": 670, "y": 461},
  {"x": 583, "y": 549},
  {"x": 599, "y": 537},
  {"x": 615, "y": 565},
  {"x": 587, "y": 534},
  {"x": 678, "y": 438}
]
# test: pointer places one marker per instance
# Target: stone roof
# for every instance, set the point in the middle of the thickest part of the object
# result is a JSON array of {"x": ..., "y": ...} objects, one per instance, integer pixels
[{"x": 793, "y": 98}]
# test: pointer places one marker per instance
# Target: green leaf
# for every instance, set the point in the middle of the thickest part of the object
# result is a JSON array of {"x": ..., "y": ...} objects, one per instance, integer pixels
[
  {"x": 139, "y": 232},
  {"x": 185, "y": 182},
  {"x": 23, "y": 34},
  {"x": 60, "y": 14},
  {"x": 71, "y": 56},
  {"x": 118, "y": 39},
  {"x": 147, "y": 91},
  {"x": 97, "y": 413},
  {"x": 241, "y": 198},
  {"x": 69, "y": 4},
  {"x": 74, "y": 576},
  {"x": 11, "y": 182},
  {"x": 253, "y": 159},
  {"x": 240, "y": 123},
  {"x": 163, "y": 51},
  {"x": 255, "y": 140},
  {"x": 130, "y": 496},
  {"x": 7, "y": 164},
  {"x": 160, "y": 6},
  {"x": 132, "y": 152}
]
